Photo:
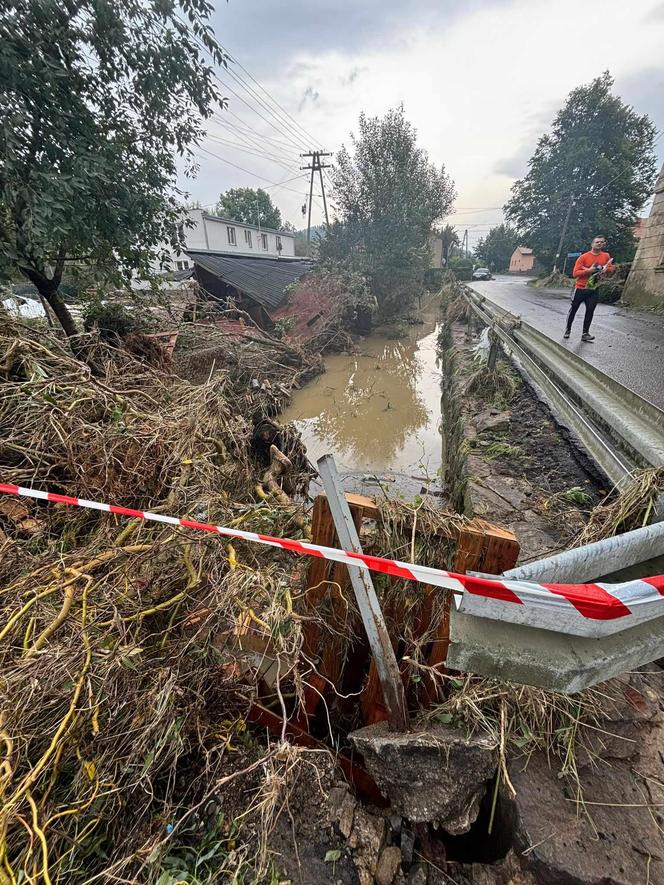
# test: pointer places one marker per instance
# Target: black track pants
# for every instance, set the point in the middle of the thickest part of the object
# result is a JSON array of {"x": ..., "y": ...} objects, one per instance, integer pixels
[{"x": 587, "y": 297}]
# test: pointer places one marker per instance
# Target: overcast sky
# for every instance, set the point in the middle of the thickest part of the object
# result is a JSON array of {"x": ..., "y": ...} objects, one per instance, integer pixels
[{"x": 480, "y": 80}]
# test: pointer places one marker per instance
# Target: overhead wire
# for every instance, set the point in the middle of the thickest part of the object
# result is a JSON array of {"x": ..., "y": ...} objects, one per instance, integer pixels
[
  {"x": 305, "y": 132},
  {"x": 281, "y": 121},
  {"x": 255, "y": 174},
  {"x": 285, "y": 129},
  {"x": 251, "y": 151}
]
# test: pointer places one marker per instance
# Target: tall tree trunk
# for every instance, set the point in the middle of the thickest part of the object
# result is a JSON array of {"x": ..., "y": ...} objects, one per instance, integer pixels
[
  {"x": 48, "y": 291},
  {"x": 59, "y": 308}
]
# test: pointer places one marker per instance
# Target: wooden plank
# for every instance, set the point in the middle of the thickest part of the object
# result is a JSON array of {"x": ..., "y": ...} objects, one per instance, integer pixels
[
  {"x": 322, "y": 532},
  {"x": 322, "y": 576},
  {"x": 469, "y": 556},
  {"x": 501, "y": 551},
  {"x": 370, "y": 509},
  {"x": 333, "y": 653},
  {"x": 371, "y": 699}
]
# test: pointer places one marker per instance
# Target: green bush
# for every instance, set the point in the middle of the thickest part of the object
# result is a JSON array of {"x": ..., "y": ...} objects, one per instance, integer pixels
[
  {"x": 112, "y": 319},
  {"x": 433, "y": 278},
  {"x": 610, "y": 291},
  {"x": 462, "y": 268}
]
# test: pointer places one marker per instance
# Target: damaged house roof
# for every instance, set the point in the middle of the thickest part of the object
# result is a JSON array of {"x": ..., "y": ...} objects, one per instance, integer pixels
[{"x": 263, "y": 279}]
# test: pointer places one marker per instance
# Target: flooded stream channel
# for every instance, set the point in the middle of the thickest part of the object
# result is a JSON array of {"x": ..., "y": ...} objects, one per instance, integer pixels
[{"x": 378, "y": 410}]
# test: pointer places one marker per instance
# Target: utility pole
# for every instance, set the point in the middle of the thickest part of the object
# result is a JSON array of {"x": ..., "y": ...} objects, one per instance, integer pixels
[
  {"x": 464, "y": 243},
  {"x": 316, "y": 166},
  {"x": 562, "y": 234}
]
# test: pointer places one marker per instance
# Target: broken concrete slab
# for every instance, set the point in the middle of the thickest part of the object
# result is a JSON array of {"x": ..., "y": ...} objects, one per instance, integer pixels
[
  {"x": 389, "y": 863},
  {"x": 365, "y": 840},
  {"x": 630, "y": 702},
  {"x": 612, "y": 839},
  {"x": 341, "y": 812},
  {"x": 505, "y": 872},
  {"x": 492, "y": 421},
  {"x": 436, "y": 775}
]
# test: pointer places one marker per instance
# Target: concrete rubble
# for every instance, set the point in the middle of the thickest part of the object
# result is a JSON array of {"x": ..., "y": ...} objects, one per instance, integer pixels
[
  {"x": 614, "y": 836},
  {"x": 437, "y": 776}
]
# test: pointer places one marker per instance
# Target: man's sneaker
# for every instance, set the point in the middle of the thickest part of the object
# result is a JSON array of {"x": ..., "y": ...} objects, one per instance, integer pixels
[
  {"x": 587, "y": 337},
  {"x": 567, "y": 333}
]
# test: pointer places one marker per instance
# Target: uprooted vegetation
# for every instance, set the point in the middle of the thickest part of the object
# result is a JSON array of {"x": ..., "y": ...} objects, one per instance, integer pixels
[{"x": 119, "y": 704}]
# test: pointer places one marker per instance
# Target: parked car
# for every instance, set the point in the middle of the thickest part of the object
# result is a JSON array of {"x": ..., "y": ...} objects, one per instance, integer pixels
[{"x": 482, "y": 273}]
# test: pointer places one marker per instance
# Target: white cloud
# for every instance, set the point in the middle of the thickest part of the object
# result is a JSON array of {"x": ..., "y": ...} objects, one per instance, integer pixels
[{"x": 479, "y": 88}]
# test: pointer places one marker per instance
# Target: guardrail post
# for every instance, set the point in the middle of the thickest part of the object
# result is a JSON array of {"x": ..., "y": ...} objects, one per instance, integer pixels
[
  {"x": 367, "y": 601},
  {"x": 493, "y": 350}
]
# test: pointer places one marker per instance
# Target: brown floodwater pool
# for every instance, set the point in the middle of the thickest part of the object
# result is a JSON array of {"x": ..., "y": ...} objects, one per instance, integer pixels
[{"x": 378, "y": 411}]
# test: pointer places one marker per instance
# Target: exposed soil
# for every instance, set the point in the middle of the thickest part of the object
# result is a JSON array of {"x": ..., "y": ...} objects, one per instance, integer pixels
[{"x": 522, "y": 471}]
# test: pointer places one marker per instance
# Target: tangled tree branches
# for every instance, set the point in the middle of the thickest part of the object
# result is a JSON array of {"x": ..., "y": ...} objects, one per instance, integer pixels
[{"x": 122, "y": 696}]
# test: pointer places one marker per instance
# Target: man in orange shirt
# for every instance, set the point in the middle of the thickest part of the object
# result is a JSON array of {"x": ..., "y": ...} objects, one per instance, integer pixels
[{"x": 586, "y": 272}]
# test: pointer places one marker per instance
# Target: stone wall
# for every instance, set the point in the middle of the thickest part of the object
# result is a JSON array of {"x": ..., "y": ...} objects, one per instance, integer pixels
[{"x": 645, "y": 284}]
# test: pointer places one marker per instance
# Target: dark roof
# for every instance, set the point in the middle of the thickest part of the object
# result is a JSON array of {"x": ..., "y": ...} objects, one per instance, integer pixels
[
  {"x": 179, "y": 276},
  {"x": 264, "y": 279}
]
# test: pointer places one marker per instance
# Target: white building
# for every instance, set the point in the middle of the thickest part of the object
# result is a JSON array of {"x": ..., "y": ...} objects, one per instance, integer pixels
[{"x": 211, "y": 233}]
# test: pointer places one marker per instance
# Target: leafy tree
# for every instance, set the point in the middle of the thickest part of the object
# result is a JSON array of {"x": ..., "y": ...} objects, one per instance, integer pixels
[
  {"x": 450, "y": 239},
  {"x": 599, "y": 153},
  {"x": 496, "y": 248},
  {"x": 96, "y": 101},
  {"x": 246, "y": 203},
  {"x": 388, "y": 197}
]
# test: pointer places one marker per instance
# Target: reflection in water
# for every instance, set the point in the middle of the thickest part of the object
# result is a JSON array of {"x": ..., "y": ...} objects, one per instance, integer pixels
[{"x": 377, "y": 411}]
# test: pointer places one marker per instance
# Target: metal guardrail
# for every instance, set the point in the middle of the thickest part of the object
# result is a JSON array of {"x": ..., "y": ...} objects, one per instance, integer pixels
[{"x": 621, "y": 431}]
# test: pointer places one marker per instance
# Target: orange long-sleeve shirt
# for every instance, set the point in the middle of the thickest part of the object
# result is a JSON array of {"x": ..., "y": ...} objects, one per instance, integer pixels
[{"x": 584, "y": 264}]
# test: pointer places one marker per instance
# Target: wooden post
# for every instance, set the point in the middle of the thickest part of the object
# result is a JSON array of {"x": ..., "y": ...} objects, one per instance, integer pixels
[
  {"x": 322, "y": 575},
  {"x": 367, "y": 601},
  {"x": 481, "y": 547}
]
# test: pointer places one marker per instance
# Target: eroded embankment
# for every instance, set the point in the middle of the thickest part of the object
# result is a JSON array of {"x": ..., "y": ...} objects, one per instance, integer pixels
[{"x": 507, "y": 460}]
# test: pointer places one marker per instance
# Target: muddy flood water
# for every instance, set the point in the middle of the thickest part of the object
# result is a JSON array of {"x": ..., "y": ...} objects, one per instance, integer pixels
[{"x": 378, "y": 411}]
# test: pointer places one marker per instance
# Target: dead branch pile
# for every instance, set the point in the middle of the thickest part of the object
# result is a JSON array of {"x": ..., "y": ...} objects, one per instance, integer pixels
[
  {"x": 626, "y": 508},
  {"x": 554, "y": 280},
  {"x": 122, "y": 699}
]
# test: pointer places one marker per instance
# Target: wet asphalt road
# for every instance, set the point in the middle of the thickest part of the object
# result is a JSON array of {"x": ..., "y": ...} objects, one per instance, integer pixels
[{"x": 628, "y": 345}]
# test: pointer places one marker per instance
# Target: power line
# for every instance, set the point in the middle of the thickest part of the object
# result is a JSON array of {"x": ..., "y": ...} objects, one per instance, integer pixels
[
  {"x": 307, "y": 134},
  {"x": 251, "y": 151},
  {"x": 255, "y": 174},
  {"x": 262, "y": 103},
  {"x": 285, "y": 128},
  {"x": 257, "y": 142},
  {"x": 250, "y": 131},
  {"x": 295, "y": 144}
]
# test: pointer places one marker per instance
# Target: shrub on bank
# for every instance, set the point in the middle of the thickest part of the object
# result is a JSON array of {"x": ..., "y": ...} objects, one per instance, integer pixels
[{"x": 462, "y": 268}]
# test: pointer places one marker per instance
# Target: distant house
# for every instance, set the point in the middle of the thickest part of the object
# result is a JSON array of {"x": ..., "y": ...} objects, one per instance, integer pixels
[
  {"x": 522, "y": 260},
  {"x": 247, "y": 265},
  {"x": 436, "y": 246},
  {"x": 645, "y": 283},
  {"x": 213, "y": 233}
]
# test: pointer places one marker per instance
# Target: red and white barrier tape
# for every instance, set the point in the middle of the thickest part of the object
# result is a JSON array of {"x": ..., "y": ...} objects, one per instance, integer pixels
[{"x": 582, "y": 609}]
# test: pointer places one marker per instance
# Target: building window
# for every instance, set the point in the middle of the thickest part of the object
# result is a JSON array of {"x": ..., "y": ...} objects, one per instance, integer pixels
[
  {"x": 231, "y": 235},
  {"x": 279, "y": 246},
  {"x": 247, "y": 238},
  {"x": 264, "y": 242},
  {"x": 182, "y": 265}
]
